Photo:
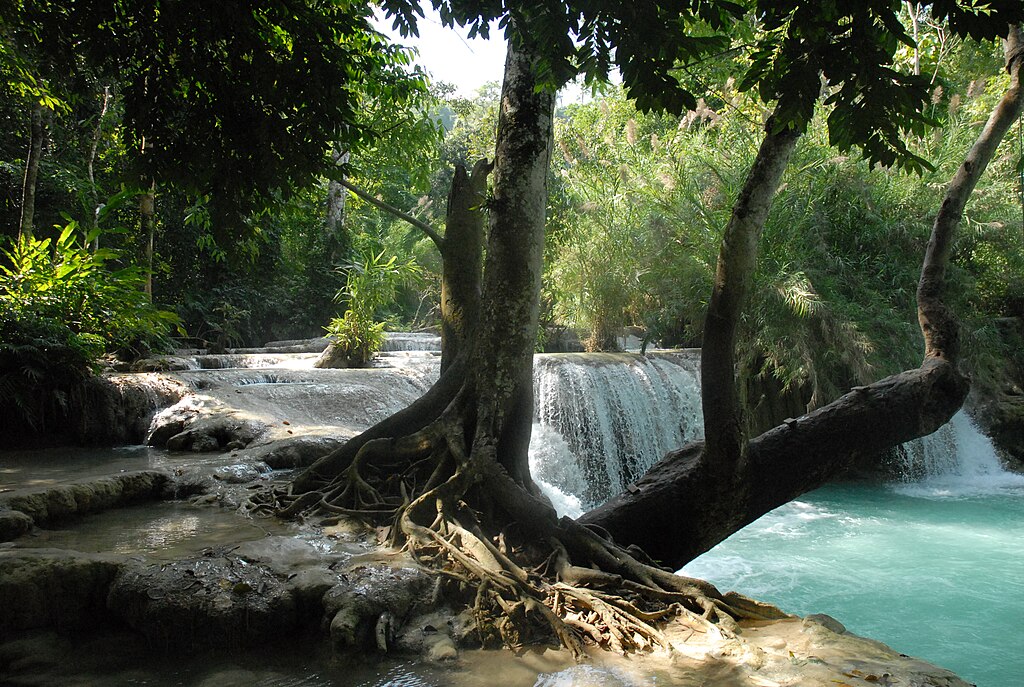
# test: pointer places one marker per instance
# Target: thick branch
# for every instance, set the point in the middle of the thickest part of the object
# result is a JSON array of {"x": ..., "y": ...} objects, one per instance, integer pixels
[
  {"x": 733, "y": 276},
  {"x": 680, "y": 510},
  {"x": 391, "y": 209},
  {"x": 937, "y": 322}
]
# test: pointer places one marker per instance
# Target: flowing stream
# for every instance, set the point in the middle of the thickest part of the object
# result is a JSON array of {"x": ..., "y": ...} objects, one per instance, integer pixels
[{"x": 929, "y": 563}]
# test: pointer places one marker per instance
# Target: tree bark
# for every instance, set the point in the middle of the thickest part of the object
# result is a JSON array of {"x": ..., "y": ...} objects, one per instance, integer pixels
[
  {"x": 938, "y": 324},
  {"x": 147, "y": 220},
  {"x": 502, "y": 359},
  {"x": 462, "y": 257},
  {"x": 91, "y": 165},
  {"x": 737, "y": 256},
  {"x": 37, "y": 131},
  {"x": 682, "y": 507},
  {"x": 334, "y": 222}
]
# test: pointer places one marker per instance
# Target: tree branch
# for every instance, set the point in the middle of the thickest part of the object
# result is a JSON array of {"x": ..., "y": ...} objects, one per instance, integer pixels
[{"x": 392, "y": 210}]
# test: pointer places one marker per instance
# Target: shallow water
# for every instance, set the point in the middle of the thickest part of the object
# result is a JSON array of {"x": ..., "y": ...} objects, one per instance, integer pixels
[{"x": 933, "y": 571}]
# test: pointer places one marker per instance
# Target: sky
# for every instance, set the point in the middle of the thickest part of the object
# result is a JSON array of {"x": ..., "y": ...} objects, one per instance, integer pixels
[
  {"x": 466, "y": 64},
  {"x": 451, "y": 57}
]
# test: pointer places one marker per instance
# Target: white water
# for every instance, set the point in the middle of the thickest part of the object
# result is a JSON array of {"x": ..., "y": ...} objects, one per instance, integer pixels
[{"x": 603, "y": 419}]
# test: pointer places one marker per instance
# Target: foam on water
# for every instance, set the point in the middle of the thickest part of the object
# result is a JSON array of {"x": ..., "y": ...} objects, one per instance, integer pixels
[{"x": 957, "y": 461}]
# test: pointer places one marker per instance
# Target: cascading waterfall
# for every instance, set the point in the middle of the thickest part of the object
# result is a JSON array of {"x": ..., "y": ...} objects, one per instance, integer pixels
[
  {"x": 603, "y": 419},
  {"x": 956, "y": 460}
]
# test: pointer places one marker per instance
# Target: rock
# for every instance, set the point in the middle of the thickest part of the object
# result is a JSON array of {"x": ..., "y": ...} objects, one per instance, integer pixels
[
  {"x": 826, "y": 621},
  {"x": 53, "y": 589},
  {"x": 442, "y": 648},
  {"x": 237, "y": 474},
  {"x": 334, "y": 358},
  {"x": 294, "y": 452},
  {"x": 211, "y": 601},
  {"x": 13, "y": 524},
  {"x": 66, "y": 502},
  {"x": 164, "y": 363},
  {"x": 356, "y": 606},
  {"x": 215, "y": 432}
]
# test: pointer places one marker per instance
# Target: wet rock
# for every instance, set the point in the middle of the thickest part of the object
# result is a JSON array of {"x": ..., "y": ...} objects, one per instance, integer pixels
[
  {"x": 238, "y": 474},
  {"x": 372, "y": 597},
  {"x": 188, "y": 484},
  {"x": 171, "y": 421},
  {"x": 334, "y": 358},
  {"x": 826, "y": 621},
  {"x": 214, "y": 433},
  {"x": 442, "y": 649},
  {"x": 13, "y": 524},
  {"x": 164, "y": 363},
  {"x": 294, "y": 452},
  {"x": 211, "y": 601},
  {"x": 54, "y": 589},
  {"x": 66, "y": 502}
]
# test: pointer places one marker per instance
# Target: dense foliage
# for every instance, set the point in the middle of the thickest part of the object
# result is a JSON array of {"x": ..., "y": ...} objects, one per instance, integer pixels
[{"x": 638, "y": 198}]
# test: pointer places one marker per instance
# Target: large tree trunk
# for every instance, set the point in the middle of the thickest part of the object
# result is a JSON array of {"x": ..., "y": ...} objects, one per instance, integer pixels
[
  {"x": 37, "y": 131},
  {"x": 506, "y": 336},
  {"x": 456, "y": 489},
  {"x": 335, "y": 241},
  {"x": 147, "y": 220},
  {"x": 682, "y": 507},
  {"x": 97, "y": 133}
]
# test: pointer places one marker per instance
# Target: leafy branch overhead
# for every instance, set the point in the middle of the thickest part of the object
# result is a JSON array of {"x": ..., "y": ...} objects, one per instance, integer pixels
[{"x": 799, "y": 51}]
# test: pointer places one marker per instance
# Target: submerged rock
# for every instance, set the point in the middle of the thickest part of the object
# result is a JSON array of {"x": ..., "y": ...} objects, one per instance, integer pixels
[
  {"x": 368, "y": 608},
  {"x": 13, "y": 524}
]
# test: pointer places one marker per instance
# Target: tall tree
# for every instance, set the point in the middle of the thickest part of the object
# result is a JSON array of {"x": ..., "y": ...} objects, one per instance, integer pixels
[{"x": 458, "y": 486}]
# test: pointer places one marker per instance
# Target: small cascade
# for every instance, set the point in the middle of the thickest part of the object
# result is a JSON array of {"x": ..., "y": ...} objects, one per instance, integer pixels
[
  {"x": 411, "y": 341},
  {"x": 955, "y": 460},
  {"x": 604, "y": 419}
]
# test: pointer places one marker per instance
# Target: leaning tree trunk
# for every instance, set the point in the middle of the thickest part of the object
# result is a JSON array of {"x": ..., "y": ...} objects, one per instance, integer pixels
[
  {"x": 28, "y": 189},
  {"x": 682, "y": 507},
  {"x": 737, "y": 256}
]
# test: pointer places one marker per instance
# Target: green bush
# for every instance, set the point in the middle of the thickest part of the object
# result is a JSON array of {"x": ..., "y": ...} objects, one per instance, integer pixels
[
  {"x": 370, "y": 285},
  {"x": 61, "y": 309}
]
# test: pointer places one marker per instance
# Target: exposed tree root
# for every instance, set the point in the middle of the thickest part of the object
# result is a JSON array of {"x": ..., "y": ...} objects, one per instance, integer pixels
[{"x": 528, "y": 576}]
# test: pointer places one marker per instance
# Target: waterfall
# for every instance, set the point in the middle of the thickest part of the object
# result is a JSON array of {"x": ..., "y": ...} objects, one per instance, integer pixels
[
  {"x": 412, "y": 341},
  {"x": 955, "y": 460},
  {"x": 603, "y": 419}
]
